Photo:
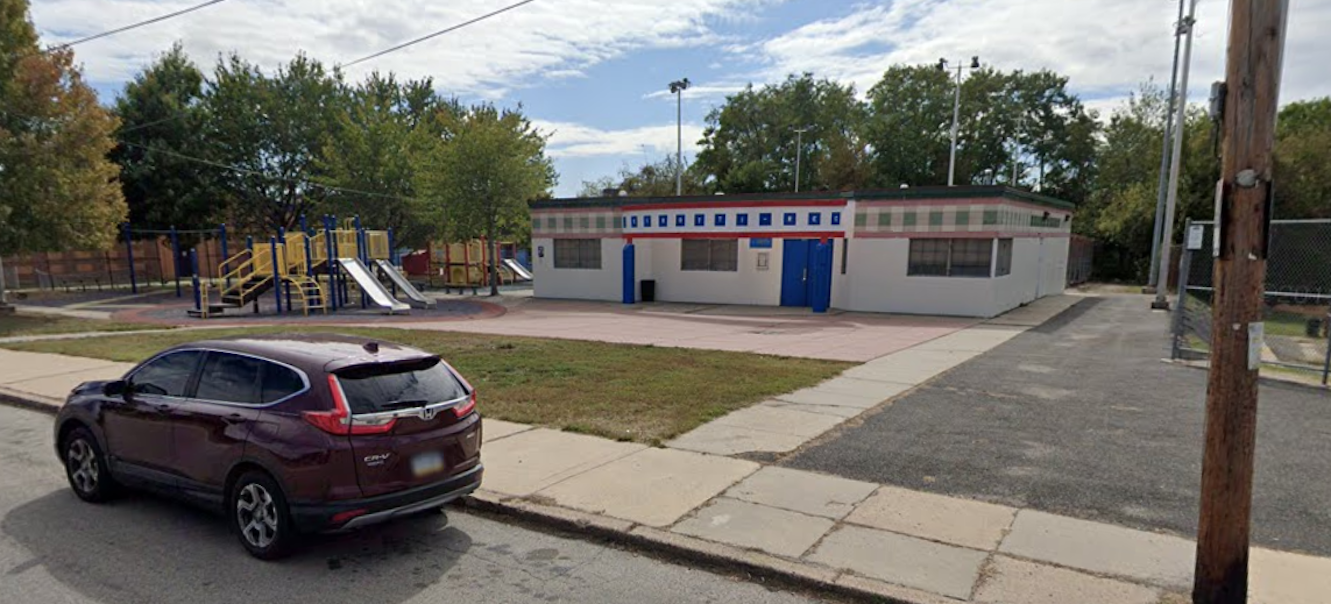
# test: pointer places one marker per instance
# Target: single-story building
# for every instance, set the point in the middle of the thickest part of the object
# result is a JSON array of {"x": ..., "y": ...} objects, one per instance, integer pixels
[{"x": 974, "y": 251}]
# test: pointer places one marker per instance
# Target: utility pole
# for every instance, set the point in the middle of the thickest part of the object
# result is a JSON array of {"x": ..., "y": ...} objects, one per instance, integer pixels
[
  {"x": 1164, "y": 157},
  {"x": 1252, "y": 76},
  {"x": 1180, "y": 117},
  {"x": 799, "y": 147},
  {"x": 677, "y": 88},
  {"x": 956, "y": 115}
]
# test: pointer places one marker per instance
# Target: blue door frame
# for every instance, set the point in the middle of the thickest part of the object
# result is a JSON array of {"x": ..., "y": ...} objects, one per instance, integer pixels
[{"x": 806, "y": 273}]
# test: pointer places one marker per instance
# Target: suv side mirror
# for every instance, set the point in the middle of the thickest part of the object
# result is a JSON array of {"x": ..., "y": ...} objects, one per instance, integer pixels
[{"x": 116, "y": 388}]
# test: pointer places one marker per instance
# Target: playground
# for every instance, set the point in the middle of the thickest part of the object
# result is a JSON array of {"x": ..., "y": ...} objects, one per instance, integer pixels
[{"x": 335, "y": 272}]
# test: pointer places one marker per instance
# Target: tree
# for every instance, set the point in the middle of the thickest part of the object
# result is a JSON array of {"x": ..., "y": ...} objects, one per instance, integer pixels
[
  {"x": 1303, "y": 160},
  {"x": 57, "y": 189},
  {"x": 749, "y": 145},
  {"x": 649, "y": 180},
  {"x": 162, "y": 127},
  {"x": 271, "y": 131},
  {"x": 370, "y": 154},
  {"x": 484, "y": 174}
]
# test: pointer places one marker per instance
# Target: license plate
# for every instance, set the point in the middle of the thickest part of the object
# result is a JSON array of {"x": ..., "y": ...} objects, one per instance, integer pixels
[{"x": 426, "y": 464}]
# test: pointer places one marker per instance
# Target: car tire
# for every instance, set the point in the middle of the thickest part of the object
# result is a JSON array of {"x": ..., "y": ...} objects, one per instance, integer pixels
[
  {"x": 258, "y": 512},
  {"x": 85, "y": 467}
]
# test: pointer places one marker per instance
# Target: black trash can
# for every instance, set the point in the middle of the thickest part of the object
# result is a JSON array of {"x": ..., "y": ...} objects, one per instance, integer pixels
[{"x": 648, "y": 290}]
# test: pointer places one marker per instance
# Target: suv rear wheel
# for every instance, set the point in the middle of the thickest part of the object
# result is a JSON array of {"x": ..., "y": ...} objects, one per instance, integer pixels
[
  {"x": 259, "y": 514},
  {"x": 85, "y": 466}
]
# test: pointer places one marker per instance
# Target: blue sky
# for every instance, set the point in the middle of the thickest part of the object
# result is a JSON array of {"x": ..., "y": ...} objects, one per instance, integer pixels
[{"x": 594, "y": 73}]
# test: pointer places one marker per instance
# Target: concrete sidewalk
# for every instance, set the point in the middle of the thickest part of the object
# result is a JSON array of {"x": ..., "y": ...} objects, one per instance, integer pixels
[{"x": 695, "y": 499}]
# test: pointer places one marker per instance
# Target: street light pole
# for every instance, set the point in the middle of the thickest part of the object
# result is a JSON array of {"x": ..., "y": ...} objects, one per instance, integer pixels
[
  {"x": 678, "y": 87},
  {"x": 956, "y": 116},
  {"x": 1171, "y": 200},
  {"x": 1154, "y": 280},
  {"x": 799, "y": 147}
]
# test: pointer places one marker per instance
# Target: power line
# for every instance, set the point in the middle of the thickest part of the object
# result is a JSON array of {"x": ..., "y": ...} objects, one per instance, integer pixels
[
  {"x": 249, "y": 172},
  {"x": 437, "y": 33},
  {"x": 139, "y": 24}
]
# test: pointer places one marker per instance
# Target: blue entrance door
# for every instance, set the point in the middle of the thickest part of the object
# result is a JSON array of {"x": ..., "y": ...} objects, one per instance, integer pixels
[
  {"x": 796, "y": 270},
  {"x": 806, "y": 275}
]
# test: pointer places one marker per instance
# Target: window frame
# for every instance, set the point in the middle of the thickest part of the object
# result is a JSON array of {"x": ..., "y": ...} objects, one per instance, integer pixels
[
  {"x": 192, "y": 389},
  {"x": 189, "y": 380},
  {"x": 914, "y": 269},
  {"x": 257, "y": 388},
  {"x": 999, "y": 269},
  {"x": 710, "y": 261},
  {"x": 590, "y": 242}
]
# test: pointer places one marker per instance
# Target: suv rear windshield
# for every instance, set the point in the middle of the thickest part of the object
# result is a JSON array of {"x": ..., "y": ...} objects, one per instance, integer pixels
[{"x": 389, "y": 387}]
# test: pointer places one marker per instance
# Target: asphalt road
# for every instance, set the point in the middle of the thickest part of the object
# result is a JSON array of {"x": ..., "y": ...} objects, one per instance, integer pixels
[
  {"x": 141, "y": 549},
  {"x": 1080, "y": 417}
]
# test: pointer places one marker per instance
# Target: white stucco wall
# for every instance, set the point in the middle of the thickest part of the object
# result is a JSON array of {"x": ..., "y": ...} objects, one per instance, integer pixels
[
  {"x": 579, "y": 284},
  {"x": 876, "y": 281},
  {"x": 748, "y": 285}
]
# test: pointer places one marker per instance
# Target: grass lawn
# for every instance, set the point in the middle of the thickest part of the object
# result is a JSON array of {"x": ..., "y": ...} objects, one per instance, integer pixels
[
  {"x": 626, "y": 392},
  {"x": 34, "y": 325}
]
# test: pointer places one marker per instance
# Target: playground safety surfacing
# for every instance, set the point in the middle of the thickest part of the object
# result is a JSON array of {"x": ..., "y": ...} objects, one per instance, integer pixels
[{"x": 174, "y": 313}]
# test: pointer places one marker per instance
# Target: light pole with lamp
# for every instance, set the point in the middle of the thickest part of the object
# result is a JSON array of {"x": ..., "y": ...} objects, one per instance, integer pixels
[
  {"x": 956, "y": 115},
  {"x": 677, "y": 88},
  {"x": 799, "y": 147}
]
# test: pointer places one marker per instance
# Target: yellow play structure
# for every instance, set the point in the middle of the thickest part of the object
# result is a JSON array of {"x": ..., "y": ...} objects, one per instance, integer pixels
[{"x": 298, "y": 263}]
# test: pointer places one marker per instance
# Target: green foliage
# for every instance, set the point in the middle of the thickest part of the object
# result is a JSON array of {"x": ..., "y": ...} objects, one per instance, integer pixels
[
  {"x": 57, "y": 189},
  {"x": 749, "y": 145},
  {"x": 1303, "y": 160},
  {"x": 273, "y": 129},
  {"x": 369, "y": 155},
  {"x": 484, "y": 173},
  {"x": 656, "y": 179},
  {"x": 162, "y": 119}
]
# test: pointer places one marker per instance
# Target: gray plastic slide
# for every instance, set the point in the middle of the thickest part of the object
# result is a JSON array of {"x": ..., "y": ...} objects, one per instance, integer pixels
[
  {"x": 414, "y": 296},
  {"x": 518, "y": 269},
  {"x": 371, "y": 286}
]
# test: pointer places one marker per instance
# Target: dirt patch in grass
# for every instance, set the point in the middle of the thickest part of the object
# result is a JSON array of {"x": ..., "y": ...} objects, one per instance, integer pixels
[
  {"x": 35, "y": 325},
  {"x": 637, "y": 393}
]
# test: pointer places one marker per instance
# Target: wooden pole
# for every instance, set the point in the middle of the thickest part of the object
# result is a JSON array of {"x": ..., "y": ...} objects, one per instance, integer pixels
[{"x": 1252, "y": 74}]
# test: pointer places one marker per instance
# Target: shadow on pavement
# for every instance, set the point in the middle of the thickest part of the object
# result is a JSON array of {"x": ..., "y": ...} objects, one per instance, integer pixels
[{"x": 142, "y": 548}]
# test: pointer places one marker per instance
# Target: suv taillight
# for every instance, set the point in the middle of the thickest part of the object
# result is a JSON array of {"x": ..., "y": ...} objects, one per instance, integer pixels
[
  {"x": 339, "y": 420},
  {"x": 462, "y": 410}
]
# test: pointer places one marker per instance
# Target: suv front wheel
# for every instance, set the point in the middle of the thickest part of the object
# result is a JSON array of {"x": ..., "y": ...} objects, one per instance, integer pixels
[
  {"x": 86, "y": 467},
  {"x": 260, "y": 517}
]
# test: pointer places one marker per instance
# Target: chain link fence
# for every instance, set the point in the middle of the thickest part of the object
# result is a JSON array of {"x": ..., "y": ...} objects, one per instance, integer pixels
[{"x": 1297, "y": 297}]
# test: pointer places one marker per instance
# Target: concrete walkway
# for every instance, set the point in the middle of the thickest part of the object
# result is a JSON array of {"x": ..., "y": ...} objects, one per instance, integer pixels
[
  {"x": 847, "y": 535},
  {"x": 788, "y": 421}
]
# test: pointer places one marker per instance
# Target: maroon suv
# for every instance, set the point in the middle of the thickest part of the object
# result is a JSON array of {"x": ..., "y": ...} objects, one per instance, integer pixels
[{"x": 285, "y": 434}]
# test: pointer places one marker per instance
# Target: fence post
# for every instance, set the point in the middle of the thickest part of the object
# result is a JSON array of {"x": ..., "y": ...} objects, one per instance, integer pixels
[
  {"x": 284, "y": 284},
  {"x": 277, "y": 281},
  {"x": 129, "y": 253},
  {"x": 194, "y": 278},
  {"x": 175, "y": 258},
  {"x": 1326, "y": 364},
  {"x": 225, "y": 255},
  {"x": 331, "y": 243},
  {"x": 1184, "y": 266}
]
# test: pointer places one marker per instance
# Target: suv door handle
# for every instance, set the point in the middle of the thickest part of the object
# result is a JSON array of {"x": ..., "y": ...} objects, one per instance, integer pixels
[
  {"x": 162, "y": 407},
  {"x": 234, "y": 418}
]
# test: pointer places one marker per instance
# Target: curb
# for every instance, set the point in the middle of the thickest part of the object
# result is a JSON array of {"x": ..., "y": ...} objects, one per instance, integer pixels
[
  {"x": 771, "y": 570},
  {"x": 31, "y": 402}
]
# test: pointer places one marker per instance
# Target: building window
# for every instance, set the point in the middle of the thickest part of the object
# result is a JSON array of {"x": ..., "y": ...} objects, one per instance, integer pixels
[
  {"x": 815, "y": 219},
  {"x": 742, "y": 220},
  {"x": 634, "y": 221},
  {"x": 662, "y": 221},
  {"x": 679, "y": 220},
  {"x": 836, "y": 218},
  {"x": 789, "y": 219},
  {"x": 845, "y": 254},
  {"x": 709, "y": 255},
  {"x": 1004, "y": 264},
  {"x": 719, "y": 220},
  {"x": 699, "y": 220},
  {"x": 765, "y": 219},
  {"x": 950, "y": 257},
  {"x": 578, "y": 253}
]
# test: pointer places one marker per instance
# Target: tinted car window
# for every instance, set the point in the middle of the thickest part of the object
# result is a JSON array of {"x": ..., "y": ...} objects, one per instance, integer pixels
[
  {"x": 166, "y": 375},
  {"x": 230, "y": 378},
  {"x": 375, "y": 388},
  {"x": 280, "y": 382}
]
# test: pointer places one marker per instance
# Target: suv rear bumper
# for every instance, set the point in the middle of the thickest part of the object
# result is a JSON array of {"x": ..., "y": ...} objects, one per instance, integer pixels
[{"x": 318, "y": 517}]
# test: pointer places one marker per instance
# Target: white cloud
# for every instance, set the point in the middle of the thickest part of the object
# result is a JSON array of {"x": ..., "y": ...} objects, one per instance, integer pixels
[
  {"x": 1106, "y": 47},
  {"x": 570, "y": 140},
  {"x": 544, "y": 39},
  {"x": 699, "y": 92}
]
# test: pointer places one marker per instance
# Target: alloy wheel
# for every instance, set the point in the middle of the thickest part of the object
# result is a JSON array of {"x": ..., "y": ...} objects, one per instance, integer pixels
[
  {"x": 256, "y": 513},
  {"x": 82, "y": 463}
]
